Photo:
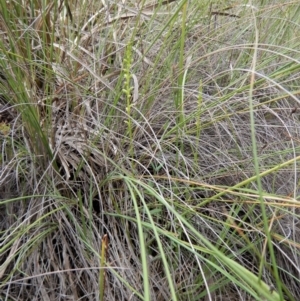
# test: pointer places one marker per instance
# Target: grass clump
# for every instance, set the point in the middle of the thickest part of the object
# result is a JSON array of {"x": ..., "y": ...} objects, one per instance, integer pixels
[{"x": 149, "y": 151}]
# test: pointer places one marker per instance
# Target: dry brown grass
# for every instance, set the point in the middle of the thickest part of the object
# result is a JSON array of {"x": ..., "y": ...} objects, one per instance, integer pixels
[{"x": 76, "y": 160}]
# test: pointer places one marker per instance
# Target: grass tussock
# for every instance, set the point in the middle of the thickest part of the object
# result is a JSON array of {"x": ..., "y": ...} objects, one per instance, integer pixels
[{"x": 149, "y": 150}]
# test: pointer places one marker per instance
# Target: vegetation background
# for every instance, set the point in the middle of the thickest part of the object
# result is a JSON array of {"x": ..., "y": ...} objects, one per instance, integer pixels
[{"x": 149, "y": 150}]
